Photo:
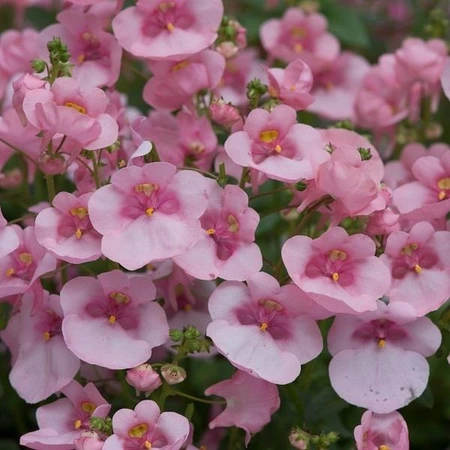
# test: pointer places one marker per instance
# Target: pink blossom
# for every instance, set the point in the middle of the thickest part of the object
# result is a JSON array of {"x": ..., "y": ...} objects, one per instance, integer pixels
[
  {"x": 420, "y": 265},
  {"x": 383, "y": 222},
  {"x": 338, "y": 271},
  {"x": 105, "y": 317},
  {"x": 148, "y": 213},
  {"x": 21, "y": 87},
  {"x": 421, "y": 61},
  {"x": 89, "y": 440},
  {"x": 263, "y": 329},
  {"x": 96, "y": 55},
  {"x": 226, "y": 248},
  {"x": 184, "y": 140},
  {"x": 9, "y": 240},
  {"x": 42, "y": 363},
  {"x": 158, "y": 29},
  {"x": 300, "y": 35},
  {"x": 144, "y": 379},
  {"x": 445, "y": 78},
  {"x": 174, "y": 83},
  {"x": 21, "y": 269},
  {"x": 336, "y": 85},
  {"x": 223, "y": 113},
  {"x": 17, "y": 50},
  {"x": 68, "y": 109},
  {"x": 429, "y": 195},
  {"x": 382, "y": 99},
  {"x": 62, "y": 422},
  {"x": 276, "y": 145},
  {"x": 390, "y": 341},
  {"x": 292, "y": 85},
  {"x": 382, "y": 431},
  {"x": 147, "y": 428},
  {"x": 66, "y": 231},
  {"x": 250, "y": 403}
]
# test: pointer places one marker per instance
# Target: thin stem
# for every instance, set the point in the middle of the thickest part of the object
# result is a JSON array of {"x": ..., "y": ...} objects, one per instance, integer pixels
[
  {"x": 54, "y": 272},
  {"x": 243, "y": 179},
  {"x": 18, "y": 150},
  {"x": 278, "y": 209},
  {"x": 95, "y": 172},
  {"x": 85, "y": 165},
  {"x": 325, "y": 200},
  {"x": 61, "y": 144},
  {"x": 51, "y": 191},
  {"x": 274, "y": 191},
  {"x": 197, "y": 399}
]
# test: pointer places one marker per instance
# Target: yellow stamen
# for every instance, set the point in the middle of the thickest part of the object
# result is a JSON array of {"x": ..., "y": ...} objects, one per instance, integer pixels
[
  {"x": 264, "y": 326},
  {"x": 119, "y": 298},
  {"x": 203, "y": 447},
  {"x": 180, "y": 66},
  {"x": 329, "y": 85},
  {"x": 165, "y": 6},
  {"x": 337, "y": 255},
  {"x": 10, "y": 272},
  {"x": 78, "y": 233},
  {"x": 273, "y": 92},
  {"x": 87, "y": 36},
  {"x": 444, "y": 183},
  {"x": 293, "y": 88},
  {"x": 26, "y": 258},
  {"x": 233, "y": 224},
  {"x": 271, "y": 305},
  {"x": 138, "y": 431},
  {"x": 78, "y": 424},
  {"x": 146, "y": 188},
  {"x": 81, "y": 58},
  {"x": 211, "y": 231},
  {"x": 417, "y": 268},
  {"x": 121, "y": 164},
  {"x": 170, "y": 27},
  {"x": 196, "y": 147},
  {"x": 442, "y": 195},
  {"x": 298, "y": 32},
  {"x": 409, "y": 249},
  {"x": 148, "y": 445},
  {"x": 88, "y": 407},
  {"x": 384, "y": 447},
  {"x": 149, "y": 211},
  {"x": 187, "y": 307},
  {"x": 81, "y": 213},
  {"x": 381, "y": 343},
  {"x": 278, "y": 148},
  {"x": 76, "y": 107},
  {"x": 298, "y": 48},
  {"x": 47, "y": 336},
  {"x": 335, "y": 276},
  {"x": 268, "y": 136},
  {"x": 112, "y": 319}
]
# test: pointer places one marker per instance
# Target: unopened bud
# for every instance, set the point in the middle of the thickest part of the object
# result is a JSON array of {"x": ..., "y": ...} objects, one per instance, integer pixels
[
  {"x": 299, "y": 439},
  {"x": 144, "y": 379},
  {"x": 89, "y": 440},
  {"x": 365, "y": 153},
  {"x": 173, "y": 374},
  {"x": 38, "y": 65},
  {"x": 190, "y": 332},
  {"x": 223, "y": 113},
  {"x": 176, "y": 335},
  {"x": 52, "y": 164}
]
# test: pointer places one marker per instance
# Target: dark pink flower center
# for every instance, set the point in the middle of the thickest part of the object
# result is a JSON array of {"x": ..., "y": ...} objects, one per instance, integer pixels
[
  {"x": 91, "y": 49},
  {"x": 413, "y": 258},
  {"x": 333, "y": 265},
  {"x": 268, "y": 315},
  {"x": 48, "y": 324},
  {"x": 271, "y": 143},
  {"x": 75, "y": 223},
  {"x": 22, "y": 264},
  {"x": 382, "y": 332},
  {"x": 298, "y": 38}
]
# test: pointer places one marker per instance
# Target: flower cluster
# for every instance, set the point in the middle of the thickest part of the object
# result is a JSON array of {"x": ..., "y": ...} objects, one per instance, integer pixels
[{"x": 221, "y": 228}]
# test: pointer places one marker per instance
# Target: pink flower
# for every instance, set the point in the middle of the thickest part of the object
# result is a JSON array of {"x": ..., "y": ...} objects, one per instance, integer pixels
[
  {"x": 250, "y": 403},
  {"x": 144, "y": 379},
  {"x": 420, "y": 265},
  {"x": 63, "y": 421},
  {"x": 147, "y": 428},
  {"x": 68, "y": 109},
  {"x": 338, "y": 271},
  {"x": 223, "y": 113},
  {"x": 66, "y": 231},
  {"x": 385, "y": 431},
  {"x": 383, "y": 222},
  {"x": 379, "y": 357},
  {"x": 42, "y": 363},
  {"x": 429, "y": 195},
  {"x": 445, "y": 78},
  {"x": 105, "y": 317},
  {"x": 184, "y": 140},
  {"x": 292, "y": 85},
  {"x": 174, "y": 83},
  {"x": 21, "y": 87},
  {"x": 336, "y": 85},
  {"x": 382, "y": 99},
  {"x": 21, "y": 269},
  {"x": 160, "y": 29},
  {"x": 89, "y": 440},
  {"x": 226, "y": 248},
  {"x": 148, "y": 213},
  {"x": 9, "y": 240},
  {"x": 421, "y": 61},
  {"x": 263, "y": 329},
  {"x": 96, "y": 55},
  {"x": 299, "y": 35},
  {"x": 276, "y": 145}
]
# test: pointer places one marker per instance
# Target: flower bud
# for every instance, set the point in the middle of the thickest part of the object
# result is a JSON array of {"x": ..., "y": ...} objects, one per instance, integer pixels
[
  {"x": 299, "y": 439},
  {"x": 38, "y": 65},
  {"x": 52, "y": 164},
  {"x": 89, "y": 440},
  {"x": 191, "y": 332},
  {"x": 227, "y": 49},
  {"x": 143, "y": 378},
  {"x": 176, "y": 335},
  {"x": 224, "y": 114},
  {"x": 173, "y": 374}
]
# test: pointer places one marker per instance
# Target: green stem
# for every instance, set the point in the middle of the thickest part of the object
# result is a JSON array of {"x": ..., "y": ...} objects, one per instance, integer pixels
[
  {"x": 95, "y": 172},
  {"x": 243, "y": 179},
  {"x": 197, "y": 399},
  {"x": 264, "y": 194},
  {"x": 51, "y": 191},
  {"x": 325, "y": 200}
]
